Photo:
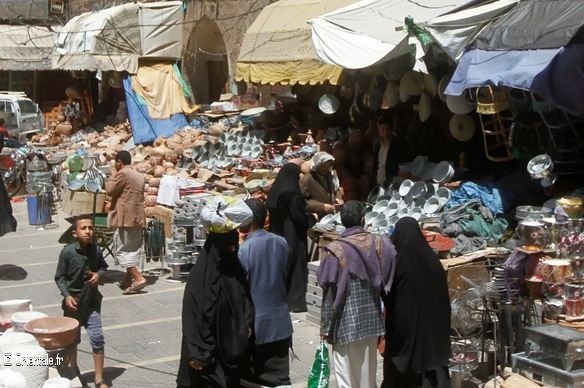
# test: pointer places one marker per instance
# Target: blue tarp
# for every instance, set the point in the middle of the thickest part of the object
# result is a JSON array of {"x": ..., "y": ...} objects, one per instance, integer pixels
[
  {"x": 514, "y": 68},
  {"x": 144, "y": 128},
  {"x": 562, "y": 82}
]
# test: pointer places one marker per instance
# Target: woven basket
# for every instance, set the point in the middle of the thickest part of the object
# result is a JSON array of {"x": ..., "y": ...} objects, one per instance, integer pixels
[{"x": 491, "y": 101}]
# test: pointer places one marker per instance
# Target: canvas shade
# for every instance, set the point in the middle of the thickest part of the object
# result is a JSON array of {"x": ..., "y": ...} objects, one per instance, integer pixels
[
  {"x": 277, "y": 47},
  {"x": 370, "y": 31},
  {"x": 113, "y": 39},
  {"x": 26, "y": 47}
]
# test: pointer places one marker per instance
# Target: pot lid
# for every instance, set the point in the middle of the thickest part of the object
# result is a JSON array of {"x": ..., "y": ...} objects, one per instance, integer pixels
[
  {"x": 444, "y": 81},
  {"x": 462, "y": 127},
  {"x": 459, "y": 104},
  {"x": 328, "y": 104},
  {"x": 539, "y": 164},
  {"x": 430, "y": 85},
  {"x": 424, "y": 107},
  {"x": 409, "y": 85},
  {"x": 391, "y": 95}
]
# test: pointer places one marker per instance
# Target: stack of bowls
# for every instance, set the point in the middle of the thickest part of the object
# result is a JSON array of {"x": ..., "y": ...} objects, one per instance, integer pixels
[{"x": 411, "y": 199}]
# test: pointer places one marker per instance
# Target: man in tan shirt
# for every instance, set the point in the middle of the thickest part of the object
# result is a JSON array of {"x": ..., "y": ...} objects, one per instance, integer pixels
[{"x": 126, "y": 189}]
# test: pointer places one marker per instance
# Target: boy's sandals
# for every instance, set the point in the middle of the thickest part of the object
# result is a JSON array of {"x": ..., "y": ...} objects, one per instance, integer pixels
[
  {"x": 124, "y": 285},
  {"x": 101, "y": 384},
  {"x": 135, "y": 288}
]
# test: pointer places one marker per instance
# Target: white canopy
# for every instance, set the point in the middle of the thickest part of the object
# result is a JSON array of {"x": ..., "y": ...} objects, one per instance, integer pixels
[
  {"x": 26, "y": 47},
  {"x": 114, "y": 38},
  {"x": 367, "y": 32}
]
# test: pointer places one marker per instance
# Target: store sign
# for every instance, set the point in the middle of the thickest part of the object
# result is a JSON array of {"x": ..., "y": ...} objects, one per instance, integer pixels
[{"x": 56, "y": 7}]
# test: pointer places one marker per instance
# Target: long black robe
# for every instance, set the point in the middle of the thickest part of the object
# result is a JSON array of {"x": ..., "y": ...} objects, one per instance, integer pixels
[
  {"x": 289, "y": 219},
  {"x": 7, "y": 221},
  {"x": 200, "y": 326},
  {"x": 418, "y": 314}
]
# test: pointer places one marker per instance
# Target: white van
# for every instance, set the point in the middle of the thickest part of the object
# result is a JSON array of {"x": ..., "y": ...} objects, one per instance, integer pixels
[{"x": 21, "y": 115}]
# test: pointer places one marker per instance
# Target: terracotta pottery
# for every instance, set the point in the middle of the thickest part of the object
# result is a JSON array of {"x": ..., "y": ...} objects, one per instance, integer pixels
[
  {"x": 64, "y": 128},
  {"x": 53, "y": 332}
]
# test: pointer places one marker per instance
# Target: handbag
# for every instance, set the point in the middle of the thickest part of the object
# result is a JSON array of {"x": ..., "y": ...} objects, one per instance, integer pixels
[{"x": 320, "y": 371}]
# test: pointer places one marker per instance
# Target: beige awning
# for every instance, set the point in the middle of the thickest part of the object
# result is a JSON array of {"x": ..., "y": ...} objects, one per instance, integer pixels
[
  {"x": 277, "y": 47},
  {"x": 26, "y": 47}
]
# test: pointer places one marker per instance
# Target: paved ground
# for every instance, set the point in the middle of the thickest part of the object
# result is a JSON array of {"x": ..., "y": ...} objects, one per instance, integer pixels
[{"x": 143, "y": 332}]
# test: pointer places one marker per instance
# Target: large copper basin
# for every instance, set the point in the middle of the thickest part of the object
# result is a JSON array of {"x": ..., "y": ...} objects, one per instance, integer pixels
[{"x": 53, "y": 332}]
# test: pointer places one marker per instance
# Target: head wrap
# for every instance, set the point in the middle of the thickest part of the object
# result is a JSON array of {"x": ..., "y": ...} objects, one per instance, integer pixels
[
  {"x": 222, "y": 214},
  {"x": 320, "y": 158}
]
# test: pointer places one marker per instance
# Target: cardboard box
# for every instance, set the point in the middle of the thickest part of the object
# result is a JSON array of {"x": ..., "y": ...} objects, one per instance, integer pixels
[
  {"x": 164, "y": 214},
  {"x": 81, "y": 202}
]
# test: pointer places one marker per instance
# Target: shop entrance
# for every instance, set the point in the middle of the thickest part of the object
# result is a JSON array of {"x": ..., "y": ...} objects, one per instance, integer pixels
[{"x": 205, "y": 63}]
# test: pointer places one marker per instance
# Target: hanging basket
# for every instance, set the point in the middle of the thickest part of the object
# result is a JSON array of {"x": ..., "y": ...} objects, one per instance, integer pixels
[{"x": 491, "y": 101}]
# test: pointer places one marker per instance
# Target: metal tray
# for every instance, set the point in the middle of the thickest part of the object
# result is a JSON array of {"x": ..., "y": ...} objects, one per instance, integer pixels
[
  {"x": 549, "y": 371},
  {"x": 560, "y": 342}
]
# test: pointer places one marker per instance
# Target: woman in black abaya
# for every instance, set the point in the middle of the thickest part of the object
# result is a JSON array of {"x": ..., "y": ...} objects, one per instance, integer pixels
[
  {"x": 289, "y": 219},
  {"x": 418, "y": 314},
  {"x": 204, "y": 361},
  {"x": 7, "y": 221}
]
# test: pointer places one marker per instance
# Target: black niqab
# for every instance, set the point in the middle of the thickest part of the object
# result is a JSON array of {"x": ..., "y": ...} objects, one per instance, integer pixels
[
  {"x": 418, "y": 304},
  {"x": 7, "y": 220},
  {"x": 290, "y": 219},
  {"x": 287, "y": 181},
  {"x": 218, "y": 257}
]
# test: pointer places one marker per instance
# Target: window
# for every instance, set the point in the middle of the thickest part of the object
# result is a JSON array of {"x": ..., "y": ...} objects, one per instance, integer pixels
[{"x": 27, "y": 106}]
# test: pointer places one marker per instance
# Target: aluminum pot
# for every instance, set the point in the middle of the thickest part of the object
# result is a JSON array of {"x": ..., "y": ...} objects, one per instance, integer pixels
[
  {"x": 9, "y": 307},
  {"x": 530, "y": 232},
  {"x": 532, "y": 212}
]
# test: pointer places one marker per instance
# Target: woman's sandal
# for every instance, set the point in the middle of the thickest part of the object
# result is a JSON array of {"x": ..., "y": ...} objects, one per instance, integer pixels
[{"x": 101, "y": 384}]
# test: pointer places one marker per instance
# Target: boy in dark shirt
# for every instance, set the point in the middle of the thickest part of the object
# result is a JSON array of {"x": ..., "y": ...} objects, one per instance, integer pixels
[{"x": 81, "y": 266}]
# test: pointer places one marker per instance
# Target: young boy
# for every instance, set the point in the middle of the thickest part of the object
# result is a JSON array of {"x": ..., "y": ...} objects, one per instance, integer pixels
[{"x": 81, "y": 266}]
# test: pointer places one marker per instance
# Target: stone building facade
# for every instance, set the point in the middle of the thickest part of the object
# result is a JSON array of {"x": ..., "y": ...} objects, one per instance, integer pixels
[{"x": 213, "y": 32}]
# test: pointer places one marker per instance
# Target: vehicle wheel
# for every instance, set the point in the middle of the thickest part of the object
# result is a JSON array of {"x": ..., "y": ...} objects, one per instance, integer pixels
[{"x": 12, "y": 185}]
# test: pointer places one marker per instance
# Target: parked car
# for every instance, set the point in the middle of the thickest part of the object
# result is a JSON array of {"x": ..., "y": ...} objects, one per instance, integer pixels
[{"x": 22, "y": 116}]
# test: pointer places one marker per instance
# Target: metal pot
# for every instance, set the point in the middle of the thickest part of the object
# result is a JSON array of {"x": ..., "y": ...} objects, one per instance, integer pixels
[
  {"x": 532, "y": 212},
  {"x": 9, "y": 307},
  {"x": 530, "y": 232},
  {"x": 573, "y": 206},
  {"x": 540, "y": 166}
]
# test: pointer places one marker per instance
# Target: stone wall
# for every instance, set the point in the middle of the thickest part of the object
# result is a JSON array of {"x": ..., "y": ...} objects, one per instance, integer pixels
[
  {"x": 212, "y": 34},
  {"x": 231, "y": 19}
]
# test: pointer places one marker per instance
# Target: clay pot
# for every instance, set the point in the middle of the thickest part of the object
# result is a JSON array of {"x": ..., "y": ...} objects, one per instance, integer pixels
[
  {"x": 64, "y": 129},
  {"x": 53, "y": 332}
]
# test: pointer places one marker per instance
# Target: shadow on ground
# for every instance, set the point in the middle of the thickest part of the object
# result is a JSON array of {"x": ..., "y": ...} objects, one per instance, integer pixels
[
  {"x": 113, "y": 276},
  {"x": 110, "y": 374},
  {"x": 12, "y": 272}
]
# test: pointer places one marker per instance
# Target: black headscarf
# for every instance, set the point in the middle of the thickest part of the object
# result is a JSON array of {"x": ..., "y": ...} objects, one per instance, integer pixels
[
  {"x": 418, "y": 304},
  {"x": 217, "y": 259},
  {"x": 287, "y": 182},
  {"x": 7, "y": 220}
]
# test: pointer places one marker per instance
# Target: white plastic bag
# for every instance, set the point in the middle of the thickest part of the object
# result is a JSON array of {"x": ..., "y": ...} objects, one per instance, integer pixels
[{"x": 222, "y": 214}]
